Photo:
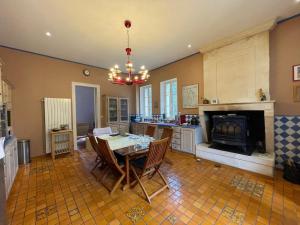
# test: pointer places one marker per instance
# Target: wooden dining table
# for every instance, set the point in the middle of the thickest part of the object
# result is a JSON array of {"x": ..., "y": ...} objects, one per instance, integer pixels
[{"x": 129, "y": 146}]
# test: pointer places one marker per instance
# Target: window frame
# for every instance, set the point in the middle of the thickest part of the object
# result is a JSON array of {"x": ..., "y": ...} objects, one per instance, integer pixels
[
  {"x": 142, "y": 100},
  {"x": 163, "y": 98}
]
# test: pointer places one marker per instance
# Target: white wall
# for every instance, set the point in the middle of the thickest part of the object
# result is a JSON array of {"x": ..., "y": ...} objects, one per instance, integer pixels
[{"x": 235, "y": 72}]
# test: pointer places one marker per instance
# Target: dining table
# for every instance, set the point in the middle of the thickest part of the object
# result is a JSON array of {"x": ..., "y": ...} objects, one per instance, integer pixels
[{"x": 129, "y": 146}]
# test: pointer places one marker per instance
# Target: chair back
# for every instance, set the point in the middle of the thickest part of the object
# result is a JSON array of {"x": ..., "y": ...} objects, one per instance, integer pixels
[
  {"x": 102, "y": 131},
  {"x": 94, "y": 144},
  {"x": 167, "y": 133},
  {"x": 150, "y": 130},
  {"x": 156, "y": 153},
  {"x": 108, "y": 155}
]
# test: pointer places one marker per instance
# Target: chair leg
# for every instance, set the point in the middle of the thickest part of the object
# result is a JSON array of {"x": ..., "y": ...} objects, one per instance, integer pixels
[
  {"x": 140, "y": 183},
  {"x": 168, "y": 161},
  {"x": 163, "y": 178},
  {"x": 96, "y": 165},
  {"x": 105, "y": 173},
  {"x": 117, "y": 183}
]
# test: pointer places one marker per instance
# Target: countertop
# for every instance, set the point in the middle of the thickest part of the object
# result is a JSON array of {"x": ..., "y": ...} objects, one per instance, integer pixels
[{"x": 169, "y": 125}]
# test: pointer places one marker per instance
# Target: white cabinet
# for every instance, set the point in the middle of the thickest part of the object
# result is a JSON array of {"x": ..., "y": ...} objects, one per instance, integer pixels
[
  {"x": 190, "y": 137},
  {"x": 123, "y": 110},
  {"x": 187, "y": 140},
  {"x": 117, "y": 109},
  {"x": 176, "y": 139},
  {"x": 112, "y": 109},
  {"x": 116, "y": 113},
  {"x": 10, "y": 164}
]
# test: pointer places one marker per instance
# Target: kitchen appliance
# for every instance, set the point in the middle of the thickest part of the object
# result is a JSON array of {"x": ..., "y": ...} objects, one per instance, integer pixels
[
  {"x": 194, "y": 121},
  {"x": 182, "y": 119}
]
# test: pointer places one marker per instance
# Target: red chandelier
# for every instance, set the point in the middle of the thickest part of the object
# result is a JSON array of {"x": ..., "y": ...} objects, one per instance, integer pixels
[{"x": 115, "y": 74}]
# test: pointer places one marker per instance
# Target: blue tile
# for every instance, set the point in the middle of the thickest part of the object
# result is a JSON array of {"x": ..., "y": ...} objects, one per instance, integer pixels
[
  {"x": 296, "y": 119},
  {"x": 284, "y": 119}
]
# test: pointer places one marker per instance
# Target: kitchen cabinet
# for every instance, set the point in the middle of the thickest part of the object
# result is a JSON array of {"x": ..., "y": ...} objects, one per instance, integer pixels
[
  {"x": 10, "y": 164},
  {"x": 138, "y": 128},
  {"x": 176, "y": 139},
  {"x": 190, "y": 137},
  {"x": 187, "y": 140}
]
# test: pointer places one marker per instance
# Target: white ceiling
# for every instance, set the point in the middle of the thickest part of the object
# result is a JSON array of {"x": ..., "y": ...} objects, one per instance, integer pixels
[{"x": 92, "y": 32}]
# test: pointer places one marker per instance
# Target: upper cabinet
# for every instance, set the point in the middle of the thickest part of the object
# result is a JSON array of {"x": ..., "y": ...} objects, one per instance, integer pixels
[
  {"x": 6, "y": 94},
  {"x": 112, "y": 109},
  {"x": 0, "y": 80},
  {"x": 124, "y": 110},
  {"x": 5, "y": 90},
  {"x": 116, "y": 110}
]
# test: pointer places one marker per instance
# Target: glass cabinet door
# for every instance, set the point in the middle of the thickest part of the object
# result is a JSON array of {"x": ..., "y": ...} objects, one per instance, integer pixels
[
  {"x": 112, "y": 103},
  {"x": 124, "y": 110}
]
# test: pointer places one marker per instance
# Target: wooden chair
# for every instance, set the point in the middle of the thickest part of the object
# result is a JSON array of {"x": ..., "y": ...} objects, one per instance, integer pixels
[
  {"x": 111, "y": 165},
  {"x": 168, "y": 133},
  {"x": 150, "y": 131},
  {"x": 149, "y": 165},
  {"x": 99, "y": 159}
]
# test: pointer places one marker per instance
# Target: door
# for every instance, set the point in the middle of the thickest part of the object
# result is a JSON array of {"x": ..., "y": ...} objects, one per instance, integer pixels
[
  {"x": 96, "y": 105},
  {"x": 112, "y": 103},
  {"x": 124, "y": 109},
  {"x": 85, "y": 110},
  {"x": 187, "y": 140}
]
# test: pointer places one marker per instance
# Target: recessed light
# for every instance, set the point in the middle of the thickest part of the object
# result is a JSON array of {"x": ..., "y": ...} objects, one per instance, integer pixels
[
  {"x": 189, "y": 46},
  {"x": 297, "y": 1},
  {"x": 48, "y": 34}
]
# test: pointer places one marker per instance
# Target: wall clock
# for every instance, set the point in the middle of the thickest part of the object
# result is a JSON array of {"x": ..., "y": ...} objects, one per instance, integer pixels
[{"x": 86, "y": 72}]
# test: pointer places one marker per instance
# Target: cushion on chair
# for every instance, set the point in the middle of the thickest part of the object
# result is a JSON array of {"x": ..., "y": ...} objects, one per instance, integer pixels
[
  {"x": 120, "y": 158},
  {"x": 139, "y": 163},
  {"x": 102, "y": 131}
]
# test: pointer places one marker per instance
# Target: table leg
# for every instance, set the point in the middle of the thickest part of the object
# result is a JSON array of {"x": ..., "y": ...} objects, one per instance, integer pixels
[{"x": 127, "y": 185}]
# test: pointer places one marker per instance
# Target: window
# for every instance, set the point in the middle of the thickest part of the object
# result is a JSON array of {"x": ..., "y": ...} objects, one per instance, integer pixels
[
  {"x": 146, "y": 101},
  {"x": 168, "y": 98}
]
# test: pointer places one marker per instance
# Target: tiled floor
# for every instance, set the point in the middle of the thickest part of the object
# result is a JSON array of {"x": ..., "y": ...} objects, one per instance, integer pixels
[{"x": 64, "y": 192}]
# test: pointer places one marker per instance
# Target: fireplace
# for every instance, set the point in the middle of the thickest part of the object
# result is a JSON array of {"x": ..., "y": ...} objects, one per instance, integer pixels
[
  {"x": 236, "y": 131},
  {"x": 231, "y": 130},
  {"x": 257, "y": 117}
]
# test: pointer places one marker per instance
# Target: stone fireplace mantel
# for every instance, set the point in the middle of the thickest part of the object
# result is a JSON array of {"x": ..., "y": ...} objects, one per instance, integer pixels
[
  {"x": 266, "y": 106},
  {"x": 261, "y": 163}
]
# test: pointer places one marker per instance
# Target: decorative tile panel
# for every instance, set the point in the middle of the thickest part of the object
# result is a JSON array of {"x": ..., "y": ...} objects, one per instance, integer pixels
[{"x": 287, "y": 139}]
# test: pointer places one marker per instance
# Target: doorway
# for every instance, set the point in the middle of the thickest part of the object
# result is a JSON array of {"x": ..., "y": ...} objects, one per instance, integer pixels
[{"x": 86, "y": 111}]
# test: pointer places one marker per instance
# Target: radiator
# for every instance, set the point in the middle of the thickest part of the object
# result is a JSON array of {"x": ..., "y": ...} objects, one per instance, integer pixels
[{"x": 57, "y": 112}]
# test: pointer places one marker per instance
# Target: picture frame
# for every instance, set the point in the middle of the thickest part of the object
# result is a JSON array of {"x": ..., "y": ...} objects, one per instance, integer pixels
[
  {"x": 190, "y": 96},
  {"x": 296, "y": 93},
  {"x": 296, "y": 72}
]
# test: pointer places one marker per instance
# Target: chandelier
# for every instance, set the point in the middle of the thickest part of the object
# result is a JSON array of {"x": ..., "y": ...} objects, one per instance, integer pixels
[{"x": 116, "y": 76}]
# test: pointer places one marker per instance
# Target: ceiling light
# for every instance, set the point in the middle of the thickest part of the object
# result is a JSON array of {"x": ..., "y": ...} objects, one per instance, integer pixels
[
  {"x": 127, "y": 78},
  {"x": 297, "y": 1},
  {"x": 48, "y": 34},
  {"x": 189, "y": 46}
]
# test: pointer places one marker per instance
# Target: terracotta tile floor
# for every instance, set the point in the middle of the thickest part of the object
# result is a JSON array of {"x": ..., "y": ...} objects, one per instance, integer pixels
[{"x": 64, "y": 192}]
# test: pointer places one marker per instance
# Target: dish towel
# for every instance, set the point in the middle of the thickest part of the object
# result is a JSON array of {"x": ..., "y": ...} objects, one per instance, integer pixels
[{"x": 2, "y": 153}]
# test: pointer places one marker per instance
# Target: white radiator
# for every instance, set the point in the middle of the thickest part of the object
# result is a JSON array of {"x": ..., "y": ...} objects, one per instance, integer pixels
[{"x": 57, "y": 112}]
